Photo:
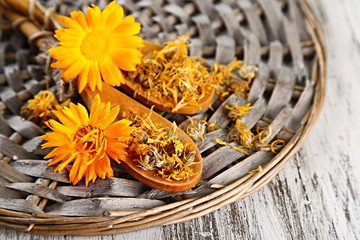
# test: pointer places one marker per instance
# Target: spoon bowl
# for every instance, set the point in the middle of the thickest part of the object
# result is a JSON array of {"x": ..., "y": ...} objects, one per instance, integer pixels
[
  {"x": 149, "y": 177},
  {"x": 131, "y": 87}
]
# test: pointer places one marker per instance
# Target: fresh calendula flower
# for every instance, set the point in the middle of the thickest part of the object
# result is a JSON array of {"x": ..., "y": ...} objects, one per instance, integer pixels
[
  {"x": 87, "y": 141},
  {"x": 97, "y": 46}
]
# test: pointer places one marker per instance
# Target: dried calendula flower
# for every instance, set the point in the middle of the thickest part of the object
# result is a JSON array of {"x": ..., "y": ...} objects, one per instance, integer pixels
[
  {"x": 247, "y": 72},
  {"x": 246, "y": 139},
  {"x": 196, "y": 130},
  {"x": 158, "y": 148},
  {"x": 87, "y": 141},
  {"x": 233, "y": 78},
  {"x": 237, "y": 112},
  {"x": 39, "y": 109},
  {"x": 173, "y": 77},
  {"x": 241, "y": 134}
]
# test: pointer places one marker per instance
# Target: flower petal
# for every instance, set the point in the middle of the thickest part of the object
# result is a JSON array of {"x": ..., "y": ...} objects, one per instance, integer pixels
[
  {"x": 93, "y": 15},
  {"x": 129, "y": 63},
  {"x": 74, "y": 69},
  {"x": 70, "y": 23},
  {"x": 111, "y": 74},
  {"x": 79, "y": 17},
  {"x": 110, "y": 118},
  {"x": 125, "y": 29},
  {"x": 119, "y": 129},
  {"x": 94, "y": 77},
  {"x": 128, "y": 41},
  {"x": 83, "y": 78},
  {"x": 112, "y": 15}
]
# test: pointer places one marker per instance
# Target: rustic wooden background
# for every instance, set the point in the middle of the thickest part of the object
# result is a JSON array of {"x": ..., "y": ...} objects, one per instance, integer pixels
[{"x": 316, "y": 195}]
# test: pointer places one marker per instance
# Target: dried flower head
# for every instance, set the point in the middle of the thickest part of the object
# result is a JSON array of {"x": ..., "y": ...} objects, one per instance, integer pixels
[
  {"x": 247, "y": 140},
  {"x": 87, "y": 141},
  {"x": 237, "y": 112},
  {"x": 196, "y": 130},
  {"x": 39, "y": 109},
  {"x": 173, "y": 77},
  {"x": 247, "y": 72},
  {"x": 96, "y": 45},
  {"x": 241, "y": 134},
  {"x": 158, "y": 148},
  {"x": 233, "y": 78}
]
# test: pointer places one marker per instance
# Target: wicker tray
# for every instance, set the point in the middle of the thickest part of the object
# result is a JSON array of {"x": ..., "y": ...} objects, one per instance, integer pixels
[{"x": 281, "y": 37}]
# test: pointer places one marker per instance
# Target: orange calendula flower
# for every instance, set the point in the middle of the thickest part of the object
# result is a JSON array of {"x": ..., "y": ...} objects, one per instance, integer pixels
[
  {"x": 87, "y": 141},
  {"x": 97, "y": 46}
]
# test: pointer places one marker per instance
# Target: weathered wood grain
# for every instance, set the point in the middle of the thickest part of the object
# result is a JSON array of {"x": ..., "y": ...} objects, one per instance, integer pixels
[
  {"x": 34, "y": 146},
  {"x": 8, "y": 193},
  {"x": 100, "y": 206},
  {"x": 282, "y": 92},
  {"x": 107, "y": 187},
  {"x": 39, "y": 190},
  {"x": 259, "y": 84},
  {"x": 12, "y": 174},
  {"x": 40, "y": 168},
  {"x": 254, "y": 20},
  {"x": 11, "y": 149},
  {"x": 4, "y": 126},
  {"x": 19, "y": 205},
  {"x": 26, "y": 128}
]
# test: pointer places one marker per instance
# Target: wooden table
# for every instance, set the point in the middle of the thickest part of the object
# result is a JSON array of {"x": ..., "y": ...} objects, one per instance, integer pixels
[{"x": 316, "y": 195}]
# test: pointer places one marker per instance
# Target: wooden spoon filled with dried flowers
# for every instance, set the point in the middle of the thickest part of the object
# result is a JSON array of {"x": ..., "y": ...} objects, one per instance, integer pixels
[
  {"x": 170, "y": 80},
  {"x": 159, "y": 154}
]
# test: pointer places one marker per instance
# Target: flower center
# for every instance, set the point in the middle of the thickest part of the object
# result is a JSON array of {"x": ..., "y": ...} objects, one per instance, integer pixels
[
  {"x": 95, "y": 45},
  {"x": 90, "y": 140}
]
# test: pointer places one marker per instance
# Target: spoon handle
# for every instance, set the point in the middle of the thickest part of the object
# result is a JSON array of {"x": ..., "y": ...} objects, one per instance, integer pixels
[{"x": 117, "y": 98}]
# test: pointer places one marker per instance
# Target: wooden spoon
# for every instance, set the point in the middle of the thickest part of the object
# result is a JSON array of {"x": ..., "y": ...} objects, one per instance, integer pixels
[
  {"x": 131, "y": 86},
  {"x": 149, "y": 177}
]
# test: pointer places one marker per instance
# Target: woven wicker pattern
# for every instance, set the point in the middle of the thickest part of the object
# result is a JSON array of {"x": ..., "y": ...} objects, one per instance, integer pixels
[{"x": 281, "y": 37}]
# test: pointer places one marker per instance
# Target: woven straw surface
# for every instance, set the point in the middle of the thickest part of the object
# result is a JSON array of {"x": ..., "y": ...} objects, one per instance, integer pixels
[{"x": 281, "y": 37}]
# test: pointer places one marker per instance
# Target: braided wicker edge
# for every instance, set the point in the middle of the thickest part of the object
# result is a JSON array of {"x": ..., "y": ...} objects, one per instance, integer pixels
[{"x": 191, "y": 208}]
